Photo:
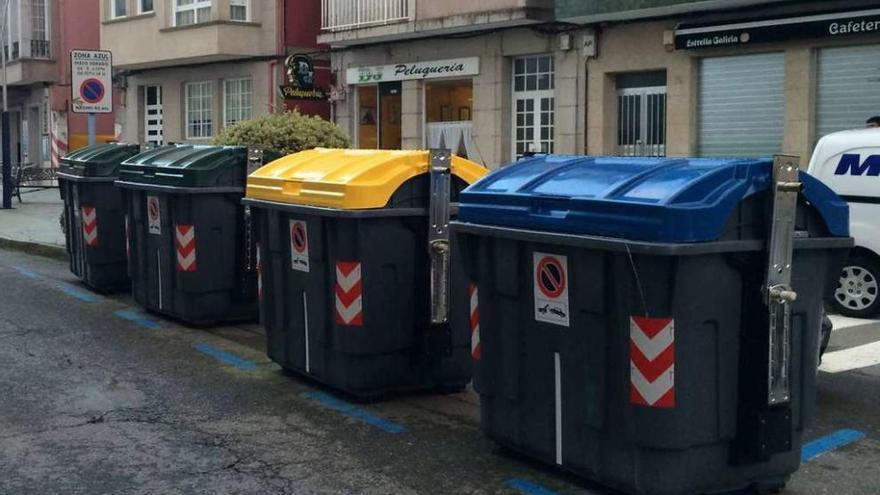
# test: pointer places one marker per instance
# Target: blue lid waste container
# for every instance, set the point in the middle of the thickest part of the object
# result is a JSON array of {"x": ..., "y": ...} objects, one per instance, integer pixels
[
  {"x": 347, "y": 267},
  {"x": 650, "y": 324},
  {"x": 191, "y": 251},
  {"x": 94, "y": 215}
]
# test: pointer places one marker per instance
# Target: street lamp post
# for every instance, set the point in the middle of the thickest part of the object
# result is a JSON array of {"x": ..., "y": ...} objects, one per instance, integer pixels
[{"x": 4, "y": 119}]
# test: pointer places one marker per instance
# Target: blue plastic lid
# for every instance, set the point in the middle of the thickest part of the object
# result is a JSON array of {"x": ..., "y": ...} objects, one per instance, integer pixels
[{"x": 645, "y": 199}]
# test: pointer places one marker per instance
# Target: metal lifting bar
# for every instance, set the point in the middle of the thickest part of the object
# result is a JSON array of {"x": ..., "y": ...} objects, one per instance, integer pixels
[
  {"x": 778, "y": 291},
  {"x": 438, "y": 233}
]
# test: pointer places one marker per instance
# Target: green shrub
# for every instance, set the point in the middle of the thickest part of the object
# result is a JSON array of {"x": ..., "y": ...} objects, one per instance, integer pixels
[{"x": 286, "y": 132}]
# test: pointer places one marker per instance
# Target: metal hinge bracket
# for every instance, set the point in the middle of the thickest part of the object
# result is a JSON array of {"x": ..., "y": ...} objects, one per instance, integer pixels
[
  {"x": 785, "y": 186},
  {"x": 438, "y": 234}
]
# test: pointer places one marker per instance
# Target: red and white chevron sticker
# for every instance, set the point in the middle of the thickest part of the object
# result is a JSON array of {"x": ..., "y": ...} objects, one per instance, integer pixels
[
  {"x": 476, "y": 347},
  {"x": 259, "y": 274},
  {"x": 90, "y": 226},
  {"x": 349, "y": 294},
  {"x": 185, "y": 242},
  {"x": 652, "y": 362}
]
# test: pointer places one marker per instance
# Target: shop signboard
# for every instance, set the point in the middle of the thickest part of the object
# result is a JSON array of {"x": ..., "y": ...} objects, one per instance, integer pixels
[{"x": 415, "y": 70}]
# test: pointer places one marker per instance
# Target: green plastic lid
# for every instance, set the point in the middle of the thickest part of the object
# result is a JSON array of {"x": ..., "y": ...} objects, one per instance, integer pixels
[
  {"x": 187, "y": 166},
  {"x": 99, "y": 160}
]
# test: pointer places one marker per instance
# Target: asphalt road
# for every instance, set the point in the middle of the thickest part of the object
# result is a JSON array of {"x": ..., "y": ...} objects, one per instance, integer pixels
[{"x": 98, "y": 398}]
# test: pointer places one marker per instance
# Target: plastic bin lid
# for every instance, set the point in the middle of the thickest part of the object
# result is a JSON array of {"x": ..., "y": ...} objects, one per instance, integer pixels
[
  {"x": 99, "y": 160},
  {"x": 346, "y": 179},
  {"x": 187, "y": 166},
  {"x": 646, "y": 199}
]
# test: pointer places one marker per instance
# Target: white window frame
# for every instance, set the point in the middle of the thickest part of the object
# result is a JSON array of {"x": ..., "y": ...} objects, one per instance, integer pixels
[
  {"x": 241, "y": 3},
  {"x": 113, "y": 4},
  {"x": 210, "y": 109},
  {"x": 535, "y": 96},
  {"x": 250, "y": 100},
  {"x": 195, "y": 6},
  {"x": 140, "y": 7}
]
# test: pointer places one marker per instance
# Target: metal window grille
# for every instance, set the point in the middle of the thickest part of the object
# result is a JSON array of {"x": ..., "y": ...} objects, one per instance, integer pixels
[
  {"x": 340, "y": 15},
  {"x": 641, "y": 121}
]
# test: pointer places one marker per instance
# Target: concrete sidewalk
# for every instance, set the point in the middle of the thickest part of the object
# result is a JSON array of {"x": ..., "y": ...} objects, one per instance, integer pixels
[{"x": 34, "y": 223}]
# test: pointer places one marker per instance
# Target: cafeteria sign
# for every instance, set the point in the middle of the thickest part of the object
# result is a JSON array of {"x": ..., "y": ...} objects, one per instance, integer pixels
[
  {"x": 417, "y": 70},
  {"x": 751, "y": 31}
]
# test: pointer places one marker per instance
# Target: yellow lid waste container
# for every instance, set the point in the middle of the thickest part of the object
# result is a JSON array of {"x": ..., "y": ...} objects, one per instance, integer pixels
[{"x": 354, "y": 267}]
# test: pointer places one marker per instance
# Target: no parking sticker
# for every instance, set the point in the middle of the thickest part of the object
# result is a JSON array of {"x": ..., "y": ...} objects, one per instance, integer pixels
[
  {"x": 154, "y": 226},
  {"x": 551, "y": 288},
  {"x": 299, "y": 246}
]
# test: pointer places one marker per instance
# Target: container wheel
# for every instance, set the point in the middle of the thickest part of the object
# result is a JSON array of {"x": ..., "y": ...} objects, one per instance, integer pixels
[{"x": 858, "y": 290}]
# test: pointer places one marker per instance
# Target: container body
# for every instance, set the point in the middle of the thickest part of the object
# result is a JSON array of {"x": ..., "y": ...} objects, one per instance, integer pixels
[
  {"x": 345, "y": 301},
  {"x": 94, "y": 218},
  {"x": 655, "y": 381},
  {"x": 191, "y": 258}
]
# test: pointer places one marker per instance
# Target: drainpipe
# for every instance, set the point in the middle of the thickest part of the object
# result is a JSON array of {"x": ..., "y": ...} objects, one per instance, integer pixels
[
  {"x": 280, "y": 24},
  {"x": 272, "y": 80}
]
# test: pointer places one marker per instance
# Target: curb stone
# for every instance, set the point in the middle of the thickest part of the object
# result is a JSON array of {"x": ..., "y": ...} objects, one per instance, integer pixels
[{"x": 36, "y": 248}]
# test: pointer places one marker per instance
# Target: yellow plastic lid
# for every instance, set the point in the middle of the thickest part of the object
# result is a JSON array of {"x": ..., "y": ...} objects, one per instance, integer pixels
[{"x": 346, "y": 179}]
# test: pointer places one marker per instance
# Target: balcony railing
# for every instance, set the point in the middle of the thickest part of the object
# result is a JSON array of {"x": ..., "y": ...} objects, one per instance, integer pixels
[{"x": 340, "y": 15}]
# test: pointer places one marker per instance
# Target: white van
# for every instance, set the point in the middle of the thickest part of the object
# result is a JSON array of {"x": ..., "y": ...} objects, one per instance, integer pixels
[{"x": 849, "y": 163}]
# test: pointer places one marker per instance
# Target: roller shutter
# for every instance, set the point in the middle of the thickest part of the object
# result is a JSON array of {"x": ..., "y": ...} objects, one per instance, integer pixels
[
  {"x": 741, "y": 105},
  {"x": 847, "y": 87}
]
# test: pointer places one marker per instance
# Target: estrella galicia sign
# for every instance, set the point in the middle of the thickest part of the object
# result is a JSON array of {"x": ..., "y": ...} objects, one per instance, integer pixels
[{"x": 852, "y": 164}]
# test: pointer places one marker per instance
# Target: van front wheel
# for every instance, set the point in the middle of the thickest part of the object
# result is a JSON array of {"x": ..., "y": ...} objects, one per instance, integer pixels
[{"x": 857, "y": 293}]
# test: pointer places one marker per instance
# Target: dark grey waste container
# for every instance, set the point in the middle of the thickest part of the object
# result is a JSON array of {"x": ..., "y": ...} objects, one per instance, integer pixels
[
  {"x": 630, "y": 324},
  {"x": 192, "y": 257},
  {"x": 346, "y": 270},
  {"x": 94, "y": 215}
]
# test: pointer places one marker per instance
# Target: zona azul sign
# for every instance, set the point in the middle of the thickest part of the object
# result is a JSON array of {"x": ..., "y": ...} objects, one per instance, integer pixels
[{"x": 91, "y": 81}]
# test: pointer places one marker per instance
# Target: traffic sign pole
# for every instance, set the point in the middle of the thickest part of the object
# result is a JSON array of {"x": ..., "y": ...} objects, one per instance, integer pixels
[{"x": 92, "y": 137}]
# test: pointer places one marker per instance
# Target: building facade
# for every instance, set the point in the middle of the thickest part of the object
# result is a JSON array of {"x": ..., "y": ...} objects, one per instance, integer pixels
[
  {"x": 188, "y": 68},
  {"x": 483, "y": 78},
  {"x": 727, "y": 78},
  {"x": 37, "y": 38},
  {"x": 497, "y": 79}
]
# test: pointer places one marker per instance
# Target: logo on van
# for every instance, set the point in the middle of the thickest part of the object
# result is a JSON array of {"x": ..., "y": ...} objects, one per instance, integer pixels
[{"x": 851, "y": 164}]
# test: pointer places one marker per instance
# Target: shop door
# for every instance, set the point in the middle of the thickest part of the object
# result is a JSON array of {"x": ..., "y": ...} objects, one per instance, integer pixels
[
  {"x": 741, "y": 105},
  {"x": 34, "y": 133},
  {"x": 154, "y": 125},
  {"x": 390, "y": 115},
  {"x": 641, "y": 121},
  {"x": 379, "y": 115},
  {"x": 847, "y": 85},
  {"x": 15, "y": 136}
]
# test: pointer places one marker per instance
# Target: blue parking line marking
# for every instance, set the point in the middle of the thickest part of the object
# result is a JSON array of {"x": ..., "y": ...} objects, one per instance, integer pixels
[
  {"x": 226, "y": 357},
  {"x": 138, "y": 319},
  {"x": 79, "y": 294},
  {"x": 823, "y": 445},
  {"x": 24, "y": 271},
  {"x": 527, "y": 487},
  {"x": 355, "y": 412}
]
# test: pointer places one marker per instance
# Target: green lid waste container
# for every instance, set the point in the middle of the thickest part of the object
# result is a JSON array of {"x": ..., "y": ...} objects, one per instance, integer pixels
[
  {"x": 650, "y": 324},
  {"x": 191, "y": 255},
  {"x": 94, "y": 215},
  {"x": 351, "y": 288}
]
